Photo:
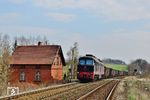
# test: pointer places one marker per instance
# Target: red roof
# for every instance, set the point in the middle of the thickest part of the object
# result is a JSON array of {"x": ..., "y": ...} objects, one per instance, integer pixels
[{"x": 42, "y": 54}]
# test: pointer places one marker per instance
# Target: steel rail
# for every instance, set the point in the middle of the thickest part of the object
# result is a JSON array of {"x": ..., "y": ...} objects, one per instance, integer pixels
[
  {"x": 35, "y": 91},
  {"x": 112, "y": 91},
  {"x": 91, "y": 92}
]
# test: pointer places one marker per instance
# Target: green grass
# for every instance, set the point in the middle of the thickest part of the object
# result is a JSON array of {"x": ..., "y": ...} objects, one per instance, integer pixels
[
  {"x": 136, "y": 90},
  {"x": 117, "y": 67}
]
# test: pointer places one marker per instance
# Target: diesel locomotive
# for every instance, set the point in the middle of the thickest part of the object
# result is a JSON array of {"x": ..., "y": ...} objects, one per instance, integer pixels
[{"x": 91, "y": 68}]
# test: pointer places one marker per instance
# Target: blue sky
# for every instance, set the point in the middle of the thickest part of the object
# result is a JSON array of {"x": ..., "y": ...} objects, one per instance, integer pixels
[{"x": 118, "y": 29}]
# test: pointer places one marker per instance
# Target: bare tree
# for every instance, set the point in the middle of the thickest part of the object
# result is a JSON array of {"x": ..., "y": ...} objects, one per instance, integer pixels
[
  {"x": 22, "y": 40},
  {"x": 14, "y": 45},
  {"x": 4, "y": 63},
  {"x": 45, "y": 40},
  {"x": 139, "y": 66},
  {"x": 73, "y": 55}
]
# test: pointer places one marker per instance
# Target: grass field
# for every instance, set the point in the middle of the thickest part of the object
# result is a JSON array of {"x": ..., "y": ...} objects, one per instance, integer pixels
[
  {"x": 118, "y": 67},
  {"x": 132, "y": 88}
]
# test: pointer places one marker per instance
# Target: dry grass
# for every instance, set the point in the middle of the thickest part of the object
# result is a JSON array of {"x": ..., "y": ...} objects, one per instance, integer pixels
[
  {"x": 133, "y": 88},
  {"x": 120, "y": 92},
  {"x": 138, "y": 90},
  {"x": 23, "y": 87},
  {"x": 3, "y": 89}
]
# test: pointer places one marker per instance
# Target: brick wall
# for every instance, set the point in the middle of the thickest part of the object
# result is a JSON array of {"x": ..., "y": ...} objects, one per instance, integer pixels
[
  {"x": 57, "y": 69},
  {"x": 30, "y": 71}
]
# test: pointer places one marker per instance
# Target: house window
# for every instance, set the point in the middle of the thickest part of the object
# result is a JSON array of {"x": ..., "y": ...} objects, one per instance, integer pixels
[
  {"x": 37, "y": 76},
  {"x": 22, "y": 76}
]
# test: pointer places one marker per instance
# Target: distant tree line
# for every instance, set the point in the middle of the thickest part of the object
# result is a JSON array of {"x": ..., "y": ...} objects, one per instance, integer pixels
[
  {"x": 136, "y": 67},
  {"x": 139, "y": 67},
  {"x": 113, "y": 61},
  {"x": 22, "y": 40}
]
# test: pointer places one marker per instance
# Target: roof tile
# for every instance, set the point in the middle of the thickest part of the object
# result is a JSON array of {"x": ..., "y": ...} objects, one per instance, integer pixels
[{"x": 43, "y": 54}]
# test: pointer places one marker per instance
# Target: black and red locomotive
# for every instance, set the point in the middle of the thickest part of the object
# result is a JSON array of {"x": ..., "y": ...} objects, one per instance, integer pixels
[{"x": 91, "y": 68}]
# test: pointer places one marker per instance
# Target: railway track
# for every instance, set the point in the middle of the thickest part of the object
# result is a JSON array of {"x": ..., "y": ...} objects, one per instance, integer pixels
[
  {"x": 40, "y": 93},
  {"x": 73, "y": 91},
  {"x": 77, "y": 92},
  {"x": 103, "y": 92}
]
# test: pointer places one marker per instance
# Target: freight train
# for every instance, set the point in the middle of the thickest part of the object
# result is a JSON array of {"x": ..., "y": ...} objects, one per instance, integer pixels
[{"x": 91, "y": 68}]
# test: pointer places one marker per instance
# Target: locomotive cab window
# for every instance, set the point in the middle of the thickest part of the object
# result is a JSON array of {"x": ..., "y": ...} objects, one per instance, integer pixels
[
  {"x": 82, "y": 62},
  {"x": 89, "y": 62}
]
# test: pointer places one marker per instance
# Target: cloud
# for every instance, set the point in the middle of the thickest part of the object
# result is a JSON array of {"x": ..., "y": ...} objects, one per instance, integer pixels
[
  {"x": 58, "y": 4},
  {"x": 129, "y": 10},
  {"x": 127, "y": 46},
  {"x": 111, "y": 10},
  {"x": 61, "y": 16},
  {"x": 146, "y": 26}
]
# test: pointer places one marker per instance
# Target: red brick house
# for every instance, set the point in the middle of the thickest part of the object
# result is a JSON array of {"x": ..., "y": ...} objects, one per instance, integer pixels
[{"x": 37, "y": 64}]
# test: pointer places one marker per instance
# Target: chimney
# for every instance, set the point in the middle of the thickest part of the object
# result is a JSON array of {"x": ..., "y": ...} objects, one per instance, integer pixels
[{"x": 39, "y": 43}]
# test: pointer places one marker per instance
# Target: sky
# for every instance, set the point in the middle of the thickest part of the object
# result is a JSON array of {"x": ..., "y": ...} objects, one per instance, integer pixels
[{"x": 118, "y": 29}]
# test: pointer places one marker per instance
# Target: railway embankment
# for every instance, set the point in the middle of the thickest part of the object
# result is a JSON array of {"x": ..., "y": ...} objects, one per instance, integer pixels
[
  {"x": 128, "y": 88},
  {"x": 72, "y": 91},
  {"x": 133, "y": 88}
]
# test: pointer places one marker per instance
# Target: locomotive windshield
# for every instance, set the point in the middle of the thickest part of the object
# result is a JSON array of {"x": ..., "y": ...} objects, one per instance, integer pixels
[
  {"x": 82, "y": 62},
  {"x": 86, "y": 62},
  {"x": 89, "y": 62}
]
